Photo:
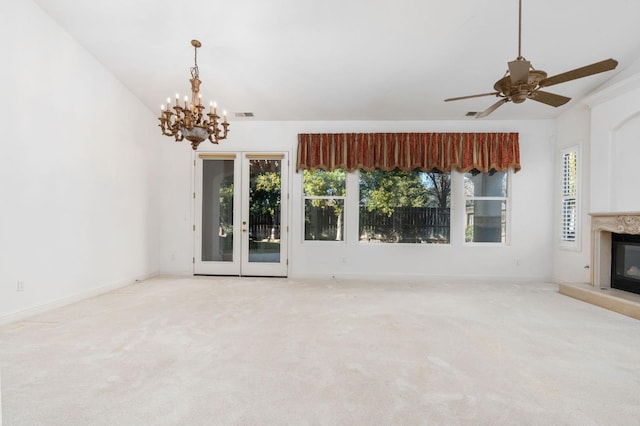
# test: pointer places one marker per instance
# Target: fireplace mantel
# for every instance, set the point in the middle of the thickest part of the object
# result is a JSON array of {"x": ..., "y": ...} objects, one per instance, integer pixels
[{"x": 602, "y": 225}]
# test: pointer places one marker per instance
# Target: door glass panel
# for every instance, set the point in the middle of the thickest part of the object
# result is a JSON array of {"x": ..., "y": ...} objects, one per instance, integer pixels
[
  {"x": 217, "y": 210},
  {"x": 264, "y": 210}
]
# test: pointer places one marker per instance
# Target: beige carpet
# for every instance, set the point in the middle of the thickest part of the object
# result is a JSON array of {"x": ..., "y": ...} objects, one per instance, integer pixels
[{"x": 231, "y": 351}]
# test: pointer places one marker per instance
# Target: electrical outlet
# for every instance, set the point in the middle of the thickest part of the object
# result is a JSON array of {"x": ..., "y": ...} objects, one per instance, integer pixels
[{"x": 20, "y": 286}]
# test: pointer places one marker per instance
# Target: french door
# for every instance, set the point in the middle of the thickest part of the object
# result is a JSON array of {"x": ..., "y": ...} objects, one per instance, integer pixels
[{"x": 241, "y": 214}]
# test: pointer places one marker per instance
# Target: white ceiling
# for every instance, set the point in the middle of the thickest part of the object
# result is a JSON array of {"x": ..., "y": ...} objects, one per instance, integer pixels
[{"x": 350, "y": 59}]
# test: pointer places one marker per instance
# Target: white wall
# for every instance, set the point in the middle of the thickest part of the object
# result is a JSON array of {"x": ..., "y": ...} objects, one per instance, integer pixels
[
  {"x": 78, "y": 176},
  {"x": 614, "y": 147},
  {"x": 570, "y": 264},
  {"x": 528, "y": 257},
  {"x": 606, "y": 126}
]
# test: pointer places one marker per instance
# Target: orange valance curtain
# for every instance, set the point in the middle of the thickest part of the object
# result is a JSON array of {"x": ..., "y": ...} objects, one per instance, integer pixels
[{"x": 481, "y": 152}]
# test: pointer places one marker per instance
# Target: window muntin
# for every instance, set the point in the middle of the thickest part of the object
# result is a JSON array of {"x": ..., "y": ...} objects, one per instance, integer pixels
[
  {"x": 324, "y": 203},
  {"x": 404, "y": 207},
  {"x": 486, "y": 207},
  {"x": 569, "y": 196}
]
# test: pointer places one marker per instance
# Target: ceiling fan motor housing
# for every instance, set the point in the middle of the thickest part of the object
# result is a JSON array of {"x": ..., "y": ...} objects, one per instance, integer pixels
[{"x": 518, "y": 93}]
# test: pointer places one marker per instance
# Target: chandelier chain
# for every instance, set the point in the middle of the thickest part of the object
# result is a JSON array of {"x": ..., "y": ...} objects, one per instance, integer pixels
[{"x": 195, "y": 73}]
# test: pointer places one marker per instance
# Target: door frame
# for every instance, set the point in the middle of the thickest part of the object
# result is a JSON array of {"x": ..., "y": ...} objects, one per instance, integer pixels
[{"x": 240, "y": 265}]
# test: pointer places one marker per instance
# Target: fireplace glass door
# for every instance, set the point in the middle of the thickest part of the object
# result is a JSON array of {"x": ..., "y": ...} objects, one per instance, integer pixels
[{"x": 625, "y": 262}]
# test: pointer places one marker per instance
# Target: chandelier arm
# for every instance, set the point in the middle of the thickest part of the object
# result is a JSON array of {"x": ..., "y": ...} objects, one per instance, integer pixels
[{"x": 164, "y": 130}]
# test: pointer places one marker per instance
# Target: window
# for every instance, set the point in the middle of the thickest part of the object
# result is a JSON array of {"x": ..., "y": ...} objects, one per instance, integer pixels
[
  {"x": 486, "y": 206},
  {"x": 324, "y": 196},
  {"x": 404, "y": 207},
  {"x": 569, "y": 196}
]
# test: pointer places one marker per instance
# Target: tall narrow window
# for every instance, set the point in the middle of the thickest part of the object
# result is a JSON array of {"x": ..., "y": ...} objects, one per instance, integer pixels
[
  {"x": 324, "y": 195},
  {"x": 569, "y": 197},
  {"x": 486, "y": 207}
]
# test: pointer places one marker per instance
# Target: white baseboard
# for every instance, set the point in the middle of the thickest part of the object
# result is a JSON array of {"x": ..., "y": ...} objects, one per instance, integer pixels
[
  {"x": 426, "y": 278},
  {"x": 67, "y": 300},
  {"x": 176, "y": 273}
]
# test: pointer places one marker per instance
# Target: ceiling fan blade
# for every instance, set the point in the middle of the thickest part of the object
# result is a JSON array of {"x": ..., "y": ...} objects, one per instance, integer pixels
[
  {"x": 585, "y": 71},
  {"x": 549, "y": 98},
  {"x": 471, "y": 96},
  {"x": 492, "y": 108},
  {"x": 519, "y": 71}
]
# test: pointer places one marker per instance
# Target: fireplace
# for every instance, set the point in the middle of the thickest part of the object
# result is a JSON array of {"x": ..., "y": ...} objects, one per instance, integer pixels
[
  {"x": 615, "y": 253},
  {"x": 625, "y": 262}
]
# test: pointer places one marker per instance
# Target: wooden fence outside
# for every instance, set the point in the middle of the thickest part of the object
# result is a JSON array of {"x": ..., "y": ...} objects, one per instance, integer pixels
[
  {"x": 404, "y": 225},
  {"x": 264, "y": 227}
]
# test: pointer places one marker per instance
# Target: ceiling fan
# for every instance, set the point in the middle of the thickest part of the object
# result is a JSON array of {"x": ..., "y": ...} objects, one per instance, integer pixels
[{"x": 522, "y": 81}]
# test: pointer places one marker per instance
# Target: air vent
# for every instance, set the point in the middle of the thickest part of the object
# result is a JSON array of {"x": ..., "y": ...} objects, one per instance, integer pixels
[
  {"x": 244, "y": 114},
  {"x": 471, "y": 113}
]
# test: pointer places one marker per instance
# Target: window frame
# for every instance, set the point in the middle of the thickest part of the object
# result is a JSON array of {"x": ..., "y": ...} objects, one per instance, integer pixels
[
  {"x": 386, "y": 243},
  {"x": 344, "y": 199},
  {"x": 566, "y": 244},
  {"x": 506, "y": 199}
]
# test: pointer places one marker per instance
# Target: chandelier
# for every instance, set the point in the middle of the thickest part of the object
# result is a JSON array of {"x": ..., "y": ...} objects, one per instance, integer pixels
[{"x": 188, "y": 121}]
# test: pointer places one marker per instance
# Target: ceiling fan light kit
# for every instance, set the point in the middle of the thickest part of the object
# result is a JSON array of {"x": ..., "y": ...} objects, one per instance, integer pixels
[{"x": 522, "y": 81}]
